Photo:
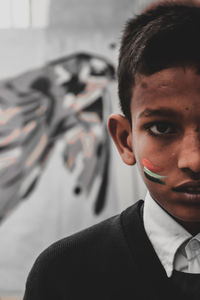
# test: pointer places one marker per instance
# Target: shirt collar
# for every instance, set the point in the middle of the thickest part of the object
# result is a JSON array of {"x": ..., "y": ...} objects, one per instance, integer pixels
[{"x": 164, "y": 233}]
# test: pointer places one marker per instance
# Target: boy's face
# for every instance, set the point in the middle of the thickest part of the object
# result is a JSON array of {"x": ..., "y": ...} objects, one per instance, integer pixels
[{"x": 165, "y": 139}]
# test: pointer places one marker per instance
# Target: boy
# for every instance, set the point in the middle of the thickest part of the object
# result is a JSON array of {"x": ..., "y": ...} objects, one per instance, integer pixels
[{"x": 152, "y": 250}]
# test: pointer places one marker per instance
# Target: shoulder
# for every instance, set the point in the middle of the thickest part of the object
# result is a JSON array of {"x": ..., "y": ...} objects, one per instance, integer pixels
[
  {"x": 98, "y": 238},
  {"x": 95, "y": 254}
]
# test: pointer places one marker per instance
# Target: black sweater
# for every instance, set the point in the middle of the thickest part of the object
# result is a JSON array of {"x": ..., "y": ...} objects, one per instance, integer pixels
[{"x": 111, "y": 260}]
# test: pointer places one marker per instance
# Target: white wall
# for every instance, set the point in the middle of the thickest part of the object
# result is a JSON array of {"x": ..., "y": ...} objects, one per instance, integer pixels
[
  {"x": 92, "y": 26},
  {"x": 20, "y": 50},
  {"x": 74, "y": 25}
]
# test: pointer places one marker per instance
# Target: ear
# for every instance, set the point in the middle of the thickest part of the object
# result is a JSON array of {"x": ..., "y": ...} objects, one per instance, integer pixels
[{"x": 121, "y": 132}]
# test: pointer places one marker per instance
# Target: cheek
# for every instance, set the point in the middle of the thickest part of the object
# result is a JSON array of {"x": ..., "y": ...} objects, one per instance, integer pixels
[
  {"x": 154, "y": 178},
  {"x": 152, "y": 172},
  {"x": 143, "y": 144},
  {"x": 151, "y": 166},
  {"x": 156, "y": 160}
]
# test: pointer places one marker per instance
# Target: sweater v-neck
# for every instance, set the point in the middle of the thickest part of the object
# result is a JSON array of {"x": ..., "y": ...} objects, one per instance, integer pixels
[{"x": 150, "y": 269}]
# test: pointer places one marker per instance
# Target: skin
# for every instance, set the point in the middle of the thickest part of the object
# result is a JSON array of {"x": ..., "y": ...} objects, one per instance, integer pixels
[
  {"x": 147, "y": 164},
  {"x": 165, "y": 129},
  {"x": 150, "y": 171}
]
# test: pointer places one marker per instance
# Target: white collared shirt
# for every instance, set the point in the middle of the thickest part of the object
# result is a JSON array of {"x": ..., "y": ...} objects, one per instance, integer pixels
[{"x": 173, "y": 244}]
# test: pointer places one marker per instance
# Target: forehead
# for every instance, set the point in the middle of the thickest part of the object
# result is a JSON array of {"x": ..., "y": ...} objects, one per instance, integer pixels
[{"x": 177, "y": 87}]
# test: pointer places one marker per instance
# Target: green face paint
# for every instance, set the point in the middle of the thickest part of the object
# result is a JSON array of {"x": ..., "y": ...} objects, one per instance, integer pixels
[{"x": 153, "y": 176}]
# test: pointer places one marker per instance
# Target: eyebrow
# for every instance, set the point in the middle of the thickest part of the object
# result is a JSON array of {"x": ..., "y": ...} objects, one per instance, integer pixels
[{"x": 163, "y": 112}]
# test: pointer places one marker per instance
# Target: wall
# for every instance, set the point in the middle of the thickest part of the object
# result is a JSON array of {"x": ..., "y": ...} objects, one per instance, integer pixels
[
  {"x": 96, "y": 26},
  {"x": 21, "y": 50},
  {"x": 74, "y": 26}
]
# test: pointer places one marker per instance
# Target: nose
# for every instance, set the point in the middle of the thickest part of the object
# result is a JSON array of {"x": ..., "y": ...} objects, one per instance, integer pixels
[{"x": 189, "y": 153}]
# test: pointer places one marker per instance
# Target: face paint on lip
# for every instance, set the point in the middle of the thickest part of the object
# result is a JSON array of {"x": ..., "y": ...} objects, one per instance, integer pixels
[{"x": 149, "y": 172}]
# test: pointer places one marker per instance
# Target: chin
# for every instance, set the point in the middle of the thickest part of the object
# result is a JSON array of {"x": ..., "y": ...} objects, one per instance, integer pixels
[{"x": 188, "y": 215}]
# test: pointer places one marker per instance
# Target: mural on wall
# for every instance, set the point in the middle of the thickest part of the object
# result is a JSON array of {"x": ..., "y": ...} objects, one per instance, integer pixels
[{"x": 67, "y": 99}]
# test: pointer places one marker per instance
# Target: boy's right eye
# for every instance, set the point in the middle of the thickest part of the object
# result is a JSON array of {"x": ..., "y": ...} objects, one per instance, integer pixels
[{"x": 160, "y": 128}]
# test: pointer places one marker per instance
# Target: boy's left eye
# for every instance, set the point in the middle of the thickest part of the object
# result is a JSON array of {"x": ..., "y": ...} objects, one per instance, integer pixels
[{"x": 161, "y": 128}]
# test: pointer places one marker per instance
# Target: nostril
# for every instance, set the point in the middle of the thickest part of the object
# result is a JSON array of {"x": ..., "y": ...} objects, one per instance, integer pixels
[
  {"x": 195, "y": 176},
  {"x": 192, "y": 174}
]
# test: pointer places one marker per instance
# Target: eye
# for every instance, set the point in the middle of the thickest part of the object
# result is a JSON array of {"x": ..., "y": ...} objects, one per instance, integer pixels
[{"x": 161, "y": 128}]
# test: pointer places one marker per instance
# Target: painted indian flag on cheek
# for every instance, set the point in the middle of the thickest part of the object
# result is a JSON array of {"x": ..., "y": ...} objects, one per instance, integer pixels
[{"x": 150, "y": 171}]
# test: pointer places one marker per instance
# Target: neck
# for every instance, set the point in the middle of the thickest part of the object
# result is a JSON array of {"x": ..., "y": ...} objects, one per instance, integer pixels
[{"x": 191, "y": 227}]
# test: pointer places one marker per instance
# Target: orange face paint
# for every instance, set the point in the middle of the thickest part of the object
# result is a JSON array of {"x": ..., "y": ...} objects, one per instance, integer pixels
[{"x": 147, "y": 164}]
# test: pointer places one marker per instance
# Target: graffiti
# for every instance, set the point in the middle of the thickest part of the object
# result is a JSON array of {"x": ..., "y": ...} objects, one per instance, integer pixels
[{"x": 67, "y": 99}]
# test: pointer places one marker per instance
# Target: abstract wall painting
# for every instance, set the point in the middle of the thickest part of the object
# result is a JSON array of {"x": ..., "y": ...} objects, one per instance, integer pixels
[{"x": 67, "y": 99}]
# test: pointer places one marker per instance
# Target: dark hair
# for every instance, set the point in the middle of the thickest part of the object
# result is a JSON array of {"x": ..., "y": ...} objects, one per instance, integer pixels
[{"x": 165, "y": 35}]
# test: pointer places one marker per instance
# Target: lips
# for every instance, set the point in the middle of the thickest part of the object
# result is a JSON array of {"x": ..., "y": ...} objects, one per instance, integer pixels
[{"x": 191, "y": 187}]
